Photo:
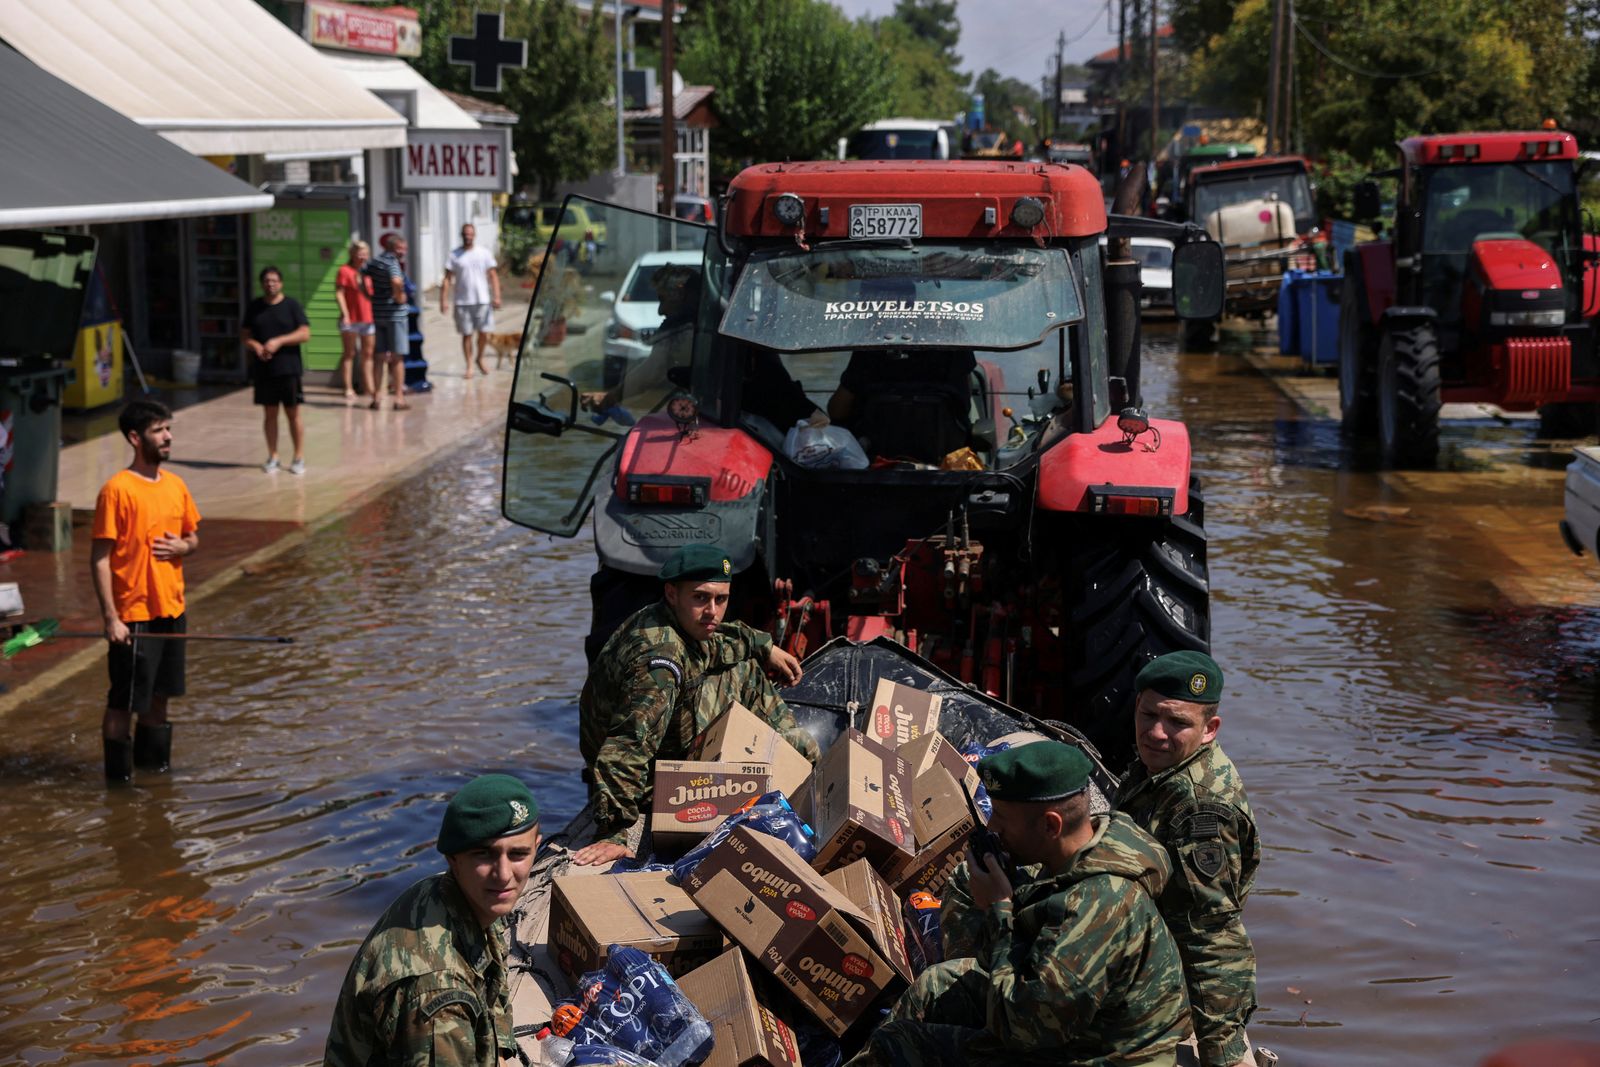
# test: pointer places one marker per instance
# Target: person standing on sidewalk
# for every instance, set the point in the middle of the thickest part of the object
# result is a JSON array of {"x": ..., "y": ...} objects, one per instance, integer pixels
[
  {"x": 275, "y": 327},
  {"x": 476, "y": 277},
  {"x": 353, "y": 292},
  {"x": 388, "y": 279},
  {"x": 145, "y": 523}
]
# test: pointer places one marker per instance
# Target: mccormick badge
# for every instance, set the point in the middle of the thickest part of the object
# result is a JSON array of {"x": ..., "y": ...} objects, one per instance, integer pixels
[
  {"x": 901, "y": 714},
  {"x": 692, "y": 798}
]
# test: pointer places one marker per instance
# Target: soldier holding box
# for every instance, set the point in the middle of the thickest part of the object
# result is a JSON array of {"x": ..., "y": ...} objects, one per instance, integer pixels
[{"x": 668, "y": 673}]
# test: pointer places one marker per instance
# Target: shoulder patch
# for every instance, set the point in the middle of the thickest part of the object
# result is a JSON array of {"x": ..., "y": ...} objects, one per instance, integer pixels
[
  {"x": 436, "y": 1003},
  {"x": 1203, "y": 826},
  {"x": 662, "y": 663},
  {"x": 1207, "y": 859}
]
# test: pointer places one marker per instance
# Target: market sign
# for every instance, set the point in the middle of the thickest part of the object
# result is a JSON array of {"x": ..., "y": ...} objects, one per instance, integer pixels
[
  {"x": 456, "y": 161},
  {"x": 387, "y": 31}
]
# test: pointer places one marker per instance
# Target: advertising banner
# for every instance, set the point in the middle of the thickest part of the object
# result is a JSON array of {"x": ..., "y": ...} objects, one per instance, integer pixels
[{"x": 456, "y": 161}]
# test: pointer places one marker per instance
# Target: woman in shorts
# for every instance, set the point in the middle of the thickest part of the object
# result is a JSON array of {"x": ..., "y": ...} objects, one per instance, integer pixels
[{"x": 355, "y": 319}]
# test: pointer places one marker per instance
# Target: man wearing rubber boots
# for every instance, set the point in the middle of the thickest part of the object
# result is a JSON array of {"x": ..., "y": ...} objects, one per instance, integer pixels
[
  {"x": 1073, "y": 963},
  {"x": 668, "y": 673},
  {"x": 430, "y": 982},
  {"x": 145, "y": 523},
  {"x": 1185, "y": 792}
]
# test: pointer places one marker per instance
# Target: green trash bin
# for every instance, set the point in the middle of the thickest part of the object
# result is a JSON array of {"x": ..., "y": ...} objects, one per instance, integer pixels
[{"x": 30, "y": 439}]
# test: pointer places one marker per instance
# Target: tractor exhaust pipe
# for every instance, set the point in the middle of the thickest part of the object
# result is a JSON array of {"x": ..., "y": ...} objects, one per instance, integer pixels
[{"x": 1122, "y": 290}]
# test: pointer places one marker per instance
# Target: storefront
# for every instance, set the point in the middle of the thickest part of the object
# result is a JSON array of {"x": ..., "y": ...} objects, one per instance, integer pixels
[{"x": 181, "y": 284}]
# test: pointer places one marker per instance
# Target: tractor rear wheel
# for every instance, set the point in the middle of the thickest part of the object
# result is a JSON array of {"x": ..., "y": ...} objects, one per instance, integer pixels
[
  {"x": 1358, "y": 364},
  {"x": 1408, "y": 396},
  {"x": 1134, "y": 596}
]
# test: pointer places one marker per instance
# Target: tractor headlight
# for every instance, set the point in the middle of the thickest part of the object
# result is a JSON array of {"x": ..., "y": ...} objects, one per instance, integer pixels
[
  {"x": 1554, "y": 317},
  {"x": 790, "y": 209}
]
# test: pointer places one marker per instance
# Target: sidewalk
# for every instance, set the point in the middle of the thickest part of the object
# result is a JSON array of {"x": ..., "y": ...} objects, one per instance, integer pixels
[{"x": 248, "y": 516}]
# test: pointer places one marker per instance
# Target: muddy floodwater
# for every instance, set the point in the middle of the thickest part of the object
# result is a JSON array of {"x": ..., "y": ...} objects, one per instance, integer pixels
[{"x": 1418, "y": 738}]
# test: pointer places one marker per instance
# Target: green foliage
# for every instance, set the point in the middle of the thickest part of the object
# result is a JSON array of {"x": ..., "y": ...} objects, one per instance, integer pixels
[
  {"x": 792, "y": 76},
  {"x": 566, "y": 126},
  {"x": 923, "y": 84},
  {"x": 1001, "y": 97},
  {"x": 519, "y": 245},
  {"x": 933, "y": 21}
]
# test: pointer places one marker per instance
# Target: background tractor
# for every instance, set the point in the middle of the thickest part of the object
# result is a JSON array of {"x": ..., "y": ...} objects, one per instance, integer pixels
[{"x": 1483, "y": 293}]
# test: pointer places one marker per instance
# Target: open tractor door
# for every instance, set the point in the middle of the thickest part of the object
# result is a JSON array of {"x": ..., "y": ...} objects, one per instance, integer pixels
[
  {"x": 1479, "y": 297},
  {"x": 1011, "y": 516}
]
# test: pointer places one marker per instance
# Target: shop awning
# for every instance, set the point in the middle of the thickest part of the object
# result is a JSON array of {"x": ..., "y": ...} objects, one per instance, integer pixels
[
  {"x": 70, "y": 160},
  {"x": 433, "y": 111},
  {"x": 215, "y": 77}
]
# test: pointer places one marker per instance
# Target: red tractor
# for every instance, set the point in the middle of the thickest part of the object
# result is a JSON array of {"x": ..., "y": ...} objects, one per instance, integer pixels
[
  {"x": 1011, "y": 515},
  {"x": 1482, "y": 294}
]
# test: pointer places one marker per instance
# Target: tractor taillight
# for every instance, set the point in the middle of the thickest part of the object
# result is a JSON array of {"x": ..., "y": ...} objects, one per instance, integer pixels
[
  {"x": 667, "y": 494},
  {"x": 1447, "y": 151},
  {"x": 1135, "y": 501},
  {"x": 1553, "y": 147},
  {"x": 1469, "y": 151}
]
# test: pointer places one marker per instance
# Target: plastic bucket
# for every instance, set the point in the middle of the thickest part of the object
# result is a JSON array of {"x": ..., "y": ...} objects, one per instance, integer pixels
[{"x": 186, "y": 368}]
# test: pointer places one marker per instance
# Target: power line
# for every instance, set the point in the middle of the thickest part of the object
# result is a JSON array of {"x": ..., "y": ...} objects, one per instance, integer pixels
[{"x": 1294, "y": 20}]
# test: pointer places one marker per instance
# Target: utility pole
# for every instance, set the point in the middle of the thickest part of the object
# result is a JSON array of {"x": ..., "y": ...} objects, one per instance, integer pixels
[
  {"x": 1055, "y": 106},
  {"x": 622, "y": 153},
  {"x": 1272, "y": 76},
  {"x": 669, "y": 126},
  {"x": 1122, "y": 56},
  {"x": 1155, "y": 83},
  {"x": 1286, "y": 142}
]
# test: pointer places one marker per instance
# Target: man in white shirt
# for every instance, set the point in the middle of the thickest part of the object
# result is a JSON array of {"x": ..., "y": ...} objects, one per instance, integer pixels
[{"x": 473, "y": 272}]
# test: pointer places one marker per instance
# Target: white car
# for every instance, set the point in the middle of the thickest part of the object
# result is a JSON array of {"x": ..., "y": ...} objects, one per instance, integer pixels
[
  {"x": 634, "y": 312},
  {"x": 1581, "y": 527},
  {"x": 1155, "y": 272}
]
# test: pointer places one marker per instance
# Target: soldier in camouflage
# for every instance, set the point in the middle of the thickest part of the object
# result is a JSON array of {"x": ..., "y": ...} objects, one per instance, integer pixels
[
  {"x": 1073, "y": 964},
  {"x": 429, "y": 984},
  {"x": 1185, "y": 792},
  {"x": 670, "y": 671}
]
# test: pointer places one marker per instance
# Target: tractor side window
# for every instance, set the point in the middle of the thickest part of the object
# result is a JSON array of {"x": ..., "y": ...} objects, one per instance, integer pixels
[{"x": 1092, "y": 362}]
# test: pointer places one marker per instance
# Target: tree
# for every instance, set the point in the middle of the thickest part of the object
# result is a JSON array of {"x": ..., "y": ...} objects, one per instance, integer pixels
[
  {"x": 922, "y": 84},
  {"x": 791, "y": 76},
  {"x": 933, "y": 21},
  {"x": 1002, "y": 97},
  {"x": 563, "y": 98}
]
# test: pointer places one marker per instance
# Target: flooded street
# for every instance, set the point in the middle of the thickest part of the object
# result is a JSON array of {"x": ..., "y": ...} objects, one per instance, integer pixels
[{"x": 1416, "y": 729}]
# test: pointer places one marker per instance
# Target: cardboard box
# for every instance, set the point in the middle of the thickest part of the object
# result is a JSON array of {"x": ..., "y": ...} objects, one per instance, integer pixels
[
  {"x": 740, "y": 736},
  {"x": 901, "y": 713},
  {"x": 744, "y": 1031},
  {"x": 942, "y": 823},
  {"x": 868, "y": 891},
  {"x": 641, "y": 909},
  {"x": 795, "y": 924},
  {"x": 693, "y": 797},
  {"x": 860, "y": 806},
  {"x": 936, "y": 750}
]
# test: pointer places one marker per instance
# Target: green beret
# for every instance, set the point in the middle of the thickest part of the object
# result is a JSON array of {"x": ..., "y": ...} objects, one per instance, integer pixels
[
  {"x": 489, "y": 807},
  {"x": 697, "y": 563},
  {"x": 1191, "y": 676},
  {"x": 1037, "y": 772}
]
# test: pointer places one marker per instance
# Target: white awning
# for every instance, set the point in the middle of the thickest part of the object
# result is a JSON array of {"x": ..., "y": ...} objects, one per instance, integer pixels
[
  {"x": 215, "y": 77},
  {"x": 435, "y": 111},
  {"x": 73, "y": 161}
]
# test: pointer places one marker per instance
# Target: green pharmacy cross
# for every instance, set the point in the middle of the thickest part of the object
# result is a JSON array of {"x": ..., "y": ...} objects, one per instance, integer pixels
[{"x": 486, "y": 51}]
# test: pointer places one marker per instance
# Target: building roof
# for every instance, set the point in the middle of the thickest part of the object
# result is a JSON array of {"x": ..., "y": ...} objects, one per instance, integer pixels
[
  {"x": 75, "y": 161},
  {"x": 215, "y": 77},
  {"x": 483, "y": 110},
  {"x": 1164, "y": 33},
  {"x": 433, "y": 109},
  {"x": 683, "y": 103}
]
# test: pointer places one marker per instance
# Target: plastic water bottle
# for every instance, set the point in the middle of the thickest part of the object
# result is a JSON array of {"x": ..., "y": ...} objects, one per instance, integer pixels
[
  {"x": 688, "y": 1047},
  {"x": 616, "y": 413}
]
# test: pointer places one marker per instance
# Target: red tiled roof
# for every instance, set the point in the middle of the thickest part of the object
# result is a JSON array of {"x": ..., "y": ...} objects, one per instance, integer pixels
[
  {"x": 474, "y": 105},
  {"x": 1110, "y": 54},
  {"x": 683, "y": 103}
]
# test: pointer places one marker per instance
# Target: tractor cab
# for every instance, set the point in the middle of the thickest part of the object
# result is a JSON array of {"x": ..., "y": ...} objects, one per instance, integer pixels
[{"x": 953, "y": 319}]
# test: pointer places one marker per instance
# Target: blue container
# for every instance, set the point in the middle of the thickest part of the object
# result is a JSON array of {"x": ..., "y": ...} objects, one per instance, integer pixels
[
  {"x": 1317, "y": 318},
  {"x": 1288, "y": 313}
]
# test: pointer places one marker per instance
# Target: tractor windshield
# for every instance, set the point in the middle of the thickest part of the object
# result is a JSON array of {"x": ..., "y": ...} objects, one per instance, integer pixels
[
  {"x": 856, "y": 295},
  {"x": 1462, "y": 203},
  {"x": 1289, "y": 186}
]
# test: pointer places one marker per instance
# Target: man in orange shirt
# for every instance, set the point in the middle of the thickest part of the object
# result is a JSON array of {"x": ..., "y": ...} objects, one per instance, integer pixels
[{"x": 144, "y": 524}]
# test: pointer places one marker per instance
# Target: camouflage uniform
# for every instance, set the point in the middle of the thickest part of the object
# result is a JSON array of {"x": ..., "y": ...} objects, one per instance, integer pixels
[
  {"x": 428, "y": 986},
  {"x": 1076, "y": 968},
  {"x": 652, "y": 691},
  {"x": 1199, "y": 812}
]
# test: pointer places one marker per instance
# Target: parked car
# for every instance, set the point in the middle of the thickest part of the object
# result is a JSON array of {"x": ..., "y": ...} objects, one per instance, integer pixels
[
  {"x": 1155, "y": 272},
  {"x": 568, "y": 221},
  {"x": 1581, "y": 527},
  {"x": 634, "y": 315},
  {"x": 693, "y": 208}
]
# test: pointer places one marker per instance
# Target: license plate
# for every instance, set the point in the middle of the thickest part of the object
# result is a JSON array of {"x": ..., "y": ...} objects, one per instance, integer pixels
[{"x": 885, "y": 220}]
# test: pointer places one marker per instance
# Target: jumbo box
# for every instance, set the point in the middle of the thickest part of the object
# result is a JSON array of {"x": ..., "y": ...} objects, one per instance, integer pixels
[
  {"x": 692, "y": 797},
  {"x": 935, "y": 750},
  {"x": 740, "y": 736},
  {"x": 745, "y": 1032},
  {"x": 869, "y": 892},
  {"x": 943, "y": 823},
  {"x": 860, "y": 798},
  {"x": 797, "y": 926},
  {"x": 901, "y": 714},
  {"x": 640, "y": 909}
]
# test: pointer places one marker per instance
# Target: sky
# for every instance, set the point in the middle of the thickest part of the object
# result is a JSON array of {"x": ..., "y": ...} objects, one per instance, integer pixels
[{"x": 1017, "y": 37}]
